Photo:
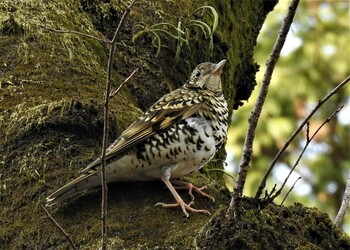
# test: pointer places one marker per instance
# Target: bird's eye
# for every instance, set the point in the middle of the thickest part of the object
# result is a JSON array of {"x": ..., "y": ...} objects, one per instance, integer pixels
[{"x": 198, "y": 74}]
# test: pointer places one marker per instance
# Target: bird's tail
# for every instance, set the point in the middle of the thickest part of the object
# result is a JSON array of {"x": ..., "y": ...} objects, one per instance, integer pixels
[{"x": 80, "y": 184}]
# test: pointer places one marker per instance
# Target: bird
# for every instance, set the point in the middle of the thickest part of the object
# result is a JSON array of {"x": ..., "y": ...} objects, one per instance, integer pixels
[{"x": 176, "y": 136}]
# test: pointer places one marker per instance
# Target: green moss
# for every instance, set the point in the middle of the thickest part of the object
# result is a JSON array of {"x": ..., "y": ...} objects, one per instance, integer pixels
[
  {"x": 273, "y": 227},
  {"x": 34, "y": 58},
  {"x": 51, "y": 110}
]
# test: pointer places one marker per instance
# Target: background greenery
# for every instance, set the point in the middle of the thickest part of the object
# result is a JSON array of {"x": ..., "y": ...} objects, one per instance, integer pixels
[{"x": 315, "y": 59}]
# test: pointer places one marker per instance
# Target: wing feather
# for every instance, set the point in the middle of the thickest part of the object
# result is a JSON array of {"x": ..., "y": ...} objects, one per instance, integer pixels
[{"x": 170, "y": 109}]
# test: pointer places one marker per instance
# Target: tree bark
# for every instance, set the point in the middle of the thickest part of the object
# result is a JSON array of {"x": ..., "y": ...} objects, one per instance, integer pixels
[{"x": 51, "y": 87}]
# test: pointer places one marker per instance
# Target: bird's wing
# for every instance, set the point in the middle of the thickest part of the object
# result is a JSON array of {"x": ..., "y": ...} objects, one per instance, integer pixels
[{"x": 170, "y": 109}]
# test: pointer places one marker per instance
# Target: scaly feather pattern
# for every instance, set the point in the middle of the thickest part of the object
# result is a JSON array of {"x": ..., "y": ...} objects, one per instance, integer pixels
[{"x": 176, "y": 136}]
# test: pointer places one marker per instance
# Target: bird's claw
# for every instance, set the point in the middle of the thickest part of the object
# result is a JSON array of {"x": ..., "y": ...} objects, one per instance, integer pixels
[
  {"x": 181, "y": 185},
  {"x": 185, "y": 207}
]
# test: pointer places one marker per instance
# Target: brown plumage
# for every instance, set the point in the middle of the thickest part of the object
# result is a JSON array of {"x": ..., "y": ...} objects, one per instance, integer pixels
[{"x": 176, "y": 136}]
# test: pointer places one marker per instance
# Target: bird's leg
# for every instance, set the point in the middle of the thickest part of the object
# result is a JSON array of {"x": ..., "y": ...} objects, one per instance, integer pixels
[
  {"x": 180, "y": 203},
  {"x": 182, "y": 185},
  {"x": 165, "y": 176}
]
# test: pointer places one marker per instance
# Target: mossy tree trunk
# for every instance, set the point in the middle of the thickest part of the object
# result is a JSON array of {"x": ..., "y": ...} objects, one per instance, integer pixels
[{"x": 51, "y": 87}]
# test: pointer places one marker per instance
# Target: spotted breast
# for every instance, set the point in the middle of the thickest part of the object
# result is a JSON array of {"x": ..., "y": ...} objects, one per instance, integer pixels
[{"x": 177, "y": 135}]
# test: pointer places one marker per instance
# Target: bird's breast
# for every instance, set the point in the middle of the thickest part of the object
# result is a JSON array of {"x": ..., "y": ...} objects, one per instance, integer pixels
[
  {"x": 215, "y": 110},
  {"x": 187, "y": 145}
]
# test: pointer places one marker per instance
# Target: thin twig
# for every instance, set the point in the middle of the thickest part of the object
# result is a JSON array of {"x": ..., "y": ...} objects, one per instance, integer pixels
[
  {"x": 268, "y": 195},
  {"x": 296, "y": 132},
  {"x": 49, "y": 216},
  {"x": 122, "y": 84},
  {"x": 344, "y": 205},
  {"x": 290, "y": 190},
  {"x": 77, "y": 33},
  {"x": 112, "y": 47},
  {"x": 126, "y": 13},
  {"x": 253, "y": 120},
  {"x": 308, "y": 140}
]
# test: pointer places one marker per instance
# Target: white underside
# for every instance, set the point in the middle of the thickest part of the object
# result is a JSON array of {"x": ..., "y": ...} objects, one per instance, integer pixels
[{"x": 129, "y": 167}]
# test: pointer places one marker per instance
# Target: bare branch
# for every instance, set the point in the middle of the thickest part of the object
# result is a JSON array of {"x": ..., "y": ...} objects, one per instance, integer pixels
[
  {"x": 344, "y": 205},
  {"x": 308, "y": 140},
  {"x": 126, "y": 13},
  {"x": 290, "y": 190},
  {"x": 308, "y": 131},
  {"x": 296, "y": 132},
  {"x": 253, "y": 120},
  {"x": 273, "y": 190},
  {"x": 122, "y": 84},
  {"x": 112, "y": 46},
  {"x": 49, "y": 216},
  {"x": 104, "y": 40}
]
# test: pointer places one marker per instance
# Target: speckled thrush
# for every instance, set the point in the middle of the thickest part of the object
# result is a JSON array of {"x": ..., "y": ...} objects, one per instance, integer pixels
[{"x": 177, "y": 135}]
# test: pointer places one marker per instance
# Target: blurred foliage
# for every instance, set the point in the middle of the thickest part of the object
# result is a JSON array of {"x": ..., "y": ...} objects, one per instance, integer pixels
[{"x": 314, "y": 60}]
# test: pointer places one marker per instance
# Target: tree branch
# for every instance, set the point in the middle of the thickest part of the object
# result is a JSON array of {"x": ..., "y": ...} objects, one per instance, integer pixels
[
  {"x": 122, "y": 84},
  {"x": 290, "y": 190},
  {"x": 108, "y": 95},
  {"x": 296, "y": 132},
  {"x": 253, "y": 120},
  {"x": 104, "y": 40},
  {"x": 344, "y": 205},
  {"x": 308, "y": 140},
  {"x": 112, "y": 47},
  {"x": 49, "y": 216},
  {"x": 271, "y": 196}
]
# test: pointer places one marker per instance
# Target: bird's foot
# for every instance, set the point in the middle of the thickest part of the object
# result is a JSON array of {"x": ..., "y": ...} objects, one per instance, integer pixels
[
  {"x": 185, "y": 207},
  {"x": 182, "y": 185}
]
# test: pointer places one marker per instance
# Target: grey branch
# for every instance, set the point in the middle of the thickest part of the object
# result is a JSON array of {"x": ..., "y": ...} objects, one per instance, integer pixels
[
  {"x": 308, "y": 140},
  {"x": 253, "y": 120},
  {"x": 57, "y": 225},
  {"x": 344, "y": 205},
  {"x": 290, "y": 190},
  {"x": 296, "y": 132},
  {"x": 112, "y": 47},
  {"x": 122, "y": 84}
]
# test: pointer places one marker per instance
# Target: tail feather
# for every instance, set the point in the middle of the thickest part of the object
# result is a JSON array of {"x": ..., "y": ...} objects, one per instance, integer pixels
[{"x": 78, "y": 185}]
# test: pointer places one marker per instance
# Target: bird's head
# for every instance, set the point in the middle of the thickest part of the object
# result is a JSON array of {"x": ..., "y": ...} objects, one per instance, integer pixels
[{"x": 206, "y": 76}]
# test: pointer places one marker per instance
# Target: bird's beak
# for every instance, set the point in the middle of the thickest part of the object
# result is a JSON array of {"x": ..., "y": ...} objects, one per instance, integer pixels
[{"x": 218, "y": 67}]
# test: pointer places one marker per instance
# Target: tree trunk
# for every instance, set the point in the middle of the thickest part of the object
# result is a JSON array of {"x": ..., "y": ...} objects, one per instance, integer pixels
[{"x": 51, "y": 101}]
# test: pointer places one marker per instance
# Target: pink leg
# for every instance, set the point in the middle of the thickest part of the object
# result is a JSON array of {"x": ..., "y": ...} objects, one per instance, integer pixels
[
  {"x": 181, "y": 185},
  {"x": 180, "y": 203}
]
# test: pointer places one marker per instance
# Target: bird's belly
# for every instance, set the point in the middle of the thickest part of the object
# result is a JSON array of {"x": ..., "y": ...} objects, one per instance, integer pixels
[
  {"x": 185, "y": 163},
  {"x": 186, "y": 152},
  {"x": 194, "y": 161},
  {"x": 185, "y": 148}
]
